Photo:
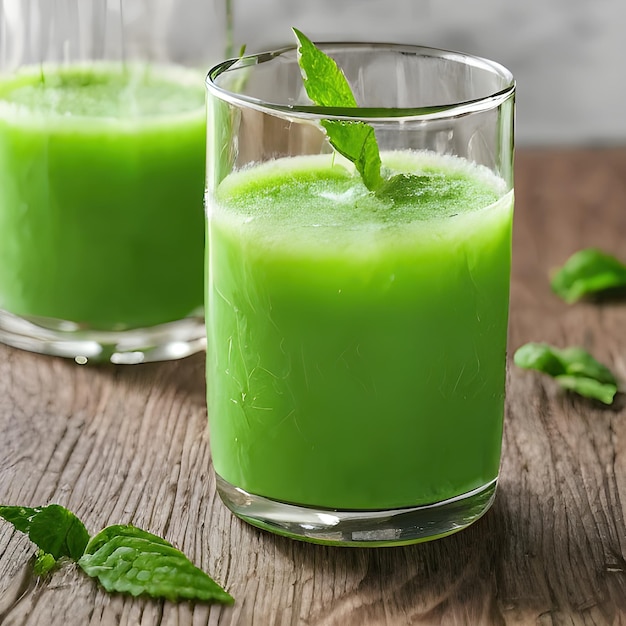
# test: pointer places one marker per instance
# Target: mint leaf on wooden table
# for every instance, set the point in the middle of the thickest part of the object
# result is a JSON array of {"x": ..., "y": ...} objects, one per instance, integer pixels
[
  {"x": 573, "y": 368},
  {"x": 327, "y": 86},
  {"x": 44, "y": 563},
  {"x": 588, "y": 272},
  {"x": 53, "y": 529},
  {"x": 130, "y": 560},
  {"x": 589, "y": 388},
  {"x": 125, "y": 559}
]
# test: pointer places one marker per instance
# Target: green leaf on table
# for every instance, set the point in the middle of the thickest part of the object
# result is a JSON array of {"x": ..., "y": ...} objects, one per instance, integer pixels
[
  {"x": 53, "y": 529},
  {"x": 587, "y": 272},
  {"x": 540, "y": 357},
  {"x": 123, "y": 558},
  {"x": 44, "y": 563},
  {"x": 578, "y": 362},
  {"x": 130, "y": 560},
  {"x": 326, "y": 86},
  {"x": 19, "y": 516},
  {"x": 589, "y": 387},
  {"x": 573, "y": 368}
]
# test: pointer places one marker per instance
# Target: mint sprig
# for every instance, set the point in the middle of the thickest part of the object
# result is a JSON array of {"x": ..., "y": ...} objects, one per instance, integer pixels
[
  {"x": 588, "y": 272},
  {"x": 573, "y": 368},
  {"x": 124, "y": 559},
  {"x": 326, "y": 86}
]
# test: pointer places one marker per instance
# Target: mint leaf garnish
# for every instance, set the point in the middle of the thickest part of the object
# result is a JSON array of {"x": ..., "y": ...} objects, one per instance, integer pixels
[
  {"x": 125, "y": 559},
  {"x": 573, "y": 368},
  {"x": 130, "y": 560},
  {"x": 327, "y": 86},
  {"x": 53, "y": 529},
  {"x": 587, "y": 272}
]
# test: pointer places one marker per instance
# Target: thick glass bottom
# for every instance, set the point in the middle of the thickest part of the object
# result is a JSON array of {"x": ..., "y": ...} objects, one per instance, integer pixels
[
  {"x": 374, "y": 528},
  {"x": 163, "y": 342}
]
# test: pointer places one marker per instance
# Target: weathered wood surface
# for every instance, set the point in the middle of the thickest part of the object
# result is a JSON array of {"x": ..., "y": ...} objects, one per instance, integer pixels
[{"x": 129, "y": 445}]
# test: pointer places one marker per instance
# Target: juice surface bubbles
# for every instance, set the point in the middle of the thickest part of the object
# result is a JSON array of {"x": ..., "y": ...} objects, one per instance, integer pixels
[
  {"x": 356, "y": 344},
  {"x": 101, "y": 178}
]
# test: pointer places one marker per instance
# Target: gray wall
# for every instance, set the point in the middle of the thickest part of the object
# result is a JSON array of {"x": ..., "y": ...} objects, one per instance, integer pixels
[{"x": 568, "y": 56}]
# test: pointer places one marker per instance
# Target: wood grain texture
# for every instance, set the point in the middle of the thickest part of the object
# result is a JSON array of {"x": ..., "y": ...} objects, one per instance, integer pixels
[{"x": 130, "y": 445}]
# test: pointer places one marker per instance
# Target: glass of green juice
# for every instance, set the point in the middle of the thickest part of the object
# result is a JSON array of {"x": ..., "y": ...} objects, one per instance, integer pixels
[
  {"x": 102, "y": 165},
  {"x": 356, "y": 341}
]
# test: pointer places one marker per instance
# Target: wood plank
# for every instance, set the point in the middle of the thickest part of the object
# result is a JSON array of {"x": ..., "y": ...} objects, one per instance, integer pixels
[{"x": 130, "y": 445}]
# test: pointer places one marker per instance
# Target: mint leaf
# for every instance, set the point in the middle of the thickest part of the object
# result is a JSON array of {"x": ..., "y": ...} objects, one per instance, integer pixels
[
  {"x": 44, "y": 563},
  {"x": 324, "y": 82},
  {"x": 129, "y": 560},
  {"x": 588, "y": 387},
  {"x": 586, "y": 272},
  {"x": 54, "y": 529},
  {"x": 578, "y": 362},
  {"x": 357, "y": 142},
  {"x": 540, "y": 357},
  {"x": 123, "y": 558},
  {"x": 573, "y": 368},
  {"x": 327, "y": 86},
  {"x": 19, "y": 516}
]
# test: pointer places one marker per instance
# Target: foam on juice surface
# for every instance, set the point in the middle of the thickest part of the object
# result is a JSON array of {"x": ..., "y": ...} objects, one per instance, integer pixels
[
  {"x": 102, "y": 91},
  {"x": 422, "y": 187},
  {"x": 321, "y": 201}
]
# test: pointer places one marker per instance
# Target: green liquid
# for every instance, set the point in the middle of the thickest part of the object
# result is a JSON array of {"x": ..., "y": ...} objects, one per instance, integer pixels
[
  {"x": 101, "y": 180},
  {"x": 356, "y": 348}
]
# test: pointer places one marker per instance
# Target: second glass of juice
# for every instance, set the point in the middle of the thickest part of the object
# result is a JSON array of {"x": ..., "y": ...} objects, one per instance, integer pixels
[
  {"x": 102, "y": 154},
  {"x": 357, "y": 340}
]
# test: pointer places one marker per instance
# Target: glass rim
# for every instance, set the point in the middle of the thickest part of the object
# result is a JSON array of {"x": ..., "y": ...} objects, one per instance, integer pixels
[{"x": 378, "y": 114}]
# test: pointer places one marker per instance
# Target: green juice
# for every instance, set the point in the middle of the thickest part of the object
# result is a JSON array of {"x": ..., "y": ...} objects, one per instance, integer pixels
[
  {"x": 101, "y": 180},
  {"x": 356, "y": 345}
]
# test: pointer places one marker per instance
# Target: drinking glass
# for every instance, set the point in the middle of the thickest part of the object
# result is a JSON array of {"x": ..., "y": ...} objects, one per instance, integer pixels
[
  {"x": 357, "y": 339},
  {"x": 102, "y": 151}
]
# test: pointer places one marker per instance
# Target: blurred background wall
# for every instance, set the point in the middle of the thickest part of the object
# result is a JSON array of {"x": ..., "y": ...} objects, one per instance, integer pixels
[{"x": 568, "y": 56}]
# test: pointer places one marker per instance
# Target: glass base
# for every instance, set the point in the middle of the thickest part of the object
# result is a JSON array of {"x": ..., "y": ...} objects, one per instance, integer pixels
[
  {"x": 163, "y": 342},
  {"x": 393, "y": 527}
]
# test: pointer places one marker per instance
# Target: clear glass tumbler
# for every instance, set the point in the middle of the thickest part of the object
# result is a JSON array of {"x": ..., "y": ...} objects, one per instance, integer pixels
[
  {"x": 102, "y": 157},
  {"x": 357, "y": 339}
]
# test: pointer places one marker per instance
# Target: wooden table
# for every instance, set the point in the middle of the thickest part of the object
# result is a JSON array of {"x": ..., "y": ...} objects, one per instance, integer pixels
[{"x": 128, "y": 444}]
